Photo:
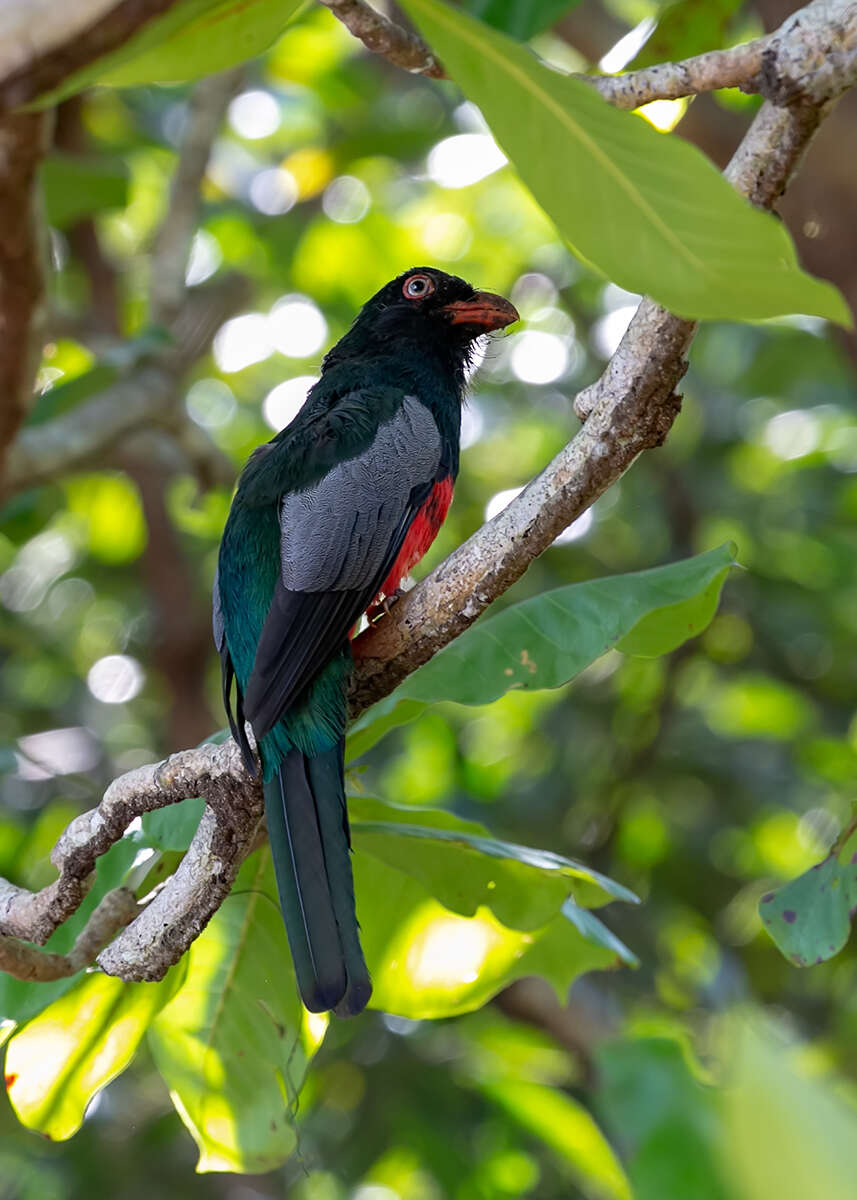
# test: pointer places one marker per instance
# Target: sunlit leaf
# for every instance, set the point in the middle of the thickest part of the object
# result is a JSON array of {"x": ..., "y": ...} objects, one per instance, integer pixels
[
  {"x": 547, "y": 640},
  {"x": 429, "y": 960},
  {"x": 562, "y": 1123},
  {"x": 66, "y": 1055},
  {"x": 810, "y": 917},
  {"x": 647, "y": 209},
  {"x": 234, "y": 1043}
]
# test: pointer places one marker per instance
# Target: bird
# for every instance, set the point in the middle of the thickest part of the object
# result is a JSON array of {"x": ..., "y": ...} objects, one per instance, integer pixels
[{"x": 328, "y": 518}]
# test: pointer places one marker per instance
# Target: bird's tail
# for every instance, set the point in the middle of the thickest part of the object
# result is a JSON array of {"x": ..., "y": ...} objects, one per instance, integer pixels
[{"x": 310, "y": 842}]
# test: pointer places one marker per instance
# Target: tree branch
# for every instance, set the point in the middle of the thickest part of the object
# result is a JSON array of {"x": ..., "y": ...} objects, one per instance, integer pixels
[
  {"x": 383, "y": 36},
  {"x": 755, "y": 66},
  {"x": 629, "y": 409},
  {"x": 145, "y": 397},
  {"x": 25, "y": 961},
  {"x": 23, "y": 141},
  {"x": 206, "y": 110},
  {"x": 737, "y": 67},
  {"x": 169, "y": 923}
]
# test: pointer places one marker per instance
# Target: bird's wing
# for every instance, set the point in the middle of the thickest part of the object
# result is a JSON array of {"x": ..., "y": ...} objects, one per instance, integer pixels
[{"x": 339, "y": 539}]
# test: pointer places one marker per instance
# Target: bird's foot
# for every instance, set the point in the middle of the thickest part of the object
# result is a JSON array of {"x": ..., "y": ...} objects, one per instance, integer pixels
[{"x": 383, "y": 607}]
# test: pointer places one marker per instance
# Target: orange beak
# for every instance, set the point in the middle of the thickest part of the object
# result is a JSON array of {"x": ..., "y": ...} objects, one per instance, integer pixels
[{"x": 484, "y": 311}]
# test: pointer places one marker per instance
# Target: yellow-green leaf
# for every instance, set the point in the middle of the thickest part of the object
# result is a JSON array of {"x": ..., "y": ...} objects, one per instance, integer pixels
[
  {"x": 647, "y": 209},
  {"x": 66, "y": 1055},
  {"x": 234, "y": 1043}
]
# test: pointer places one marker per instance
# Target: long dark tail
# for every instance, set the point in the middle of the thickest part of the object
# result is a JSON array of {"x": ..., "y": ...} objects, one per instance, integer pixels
[{"x": 308, "y": 831}]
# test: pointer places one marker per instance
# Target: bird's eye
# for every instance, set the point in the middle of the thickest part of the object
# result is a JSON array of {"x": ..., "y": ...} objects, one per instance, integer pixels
[{"x": 416, "y": 287}]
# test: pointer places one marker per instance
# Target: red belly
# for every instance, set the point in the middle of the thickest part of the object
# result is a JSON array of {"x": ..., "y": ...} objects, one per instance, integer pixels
[{"x": 421, "y": 534}]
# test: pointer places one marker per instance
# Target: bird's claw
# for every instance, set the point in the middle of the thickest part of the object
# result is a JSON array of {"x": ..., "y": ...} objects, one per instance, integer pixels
[{"x": 382, "y": 608}]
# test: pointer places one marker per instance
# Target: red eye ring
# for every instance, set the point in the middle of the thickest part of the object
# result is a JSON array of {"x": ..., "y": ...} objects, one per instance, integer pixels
[{"x": 417, "y": 287}]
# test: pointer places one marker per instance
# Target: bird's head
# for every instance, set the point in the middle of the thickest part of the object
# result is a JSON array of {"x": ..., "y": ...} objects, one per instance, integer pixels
[{"x": 425, "y": 311}]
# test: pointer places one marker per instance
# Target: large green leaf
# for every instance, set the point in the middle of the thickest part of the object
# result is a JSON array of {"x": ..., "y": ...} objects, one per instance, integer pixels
[
  {"x": 429, "y": 962},
  {"x": 76, "y": 187},
  {"x": 521, "y": 19},
  {"x": 809, "y": 918},
  {"x": 569, "y": 1129},
  {"x": 647, "y": 614},
  {"x": 646, "y": 209},
  {"x": 449, "y": 917},
  {"x": 192, "y": 39},
  {"x": 465, "y": 868},
  {"x": 66, "y": 1055},
  {"x": 234, "y": 1043},
  {"x": 547, "y": 640}
]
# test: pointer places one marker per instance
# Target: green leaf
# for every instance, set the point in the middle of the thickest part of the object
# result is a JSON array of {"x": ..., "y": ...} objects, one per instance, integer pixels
[
  {"x": 193, "y": 38},
  {"x": 666, "y": 1120},
  {"x": 685, "y": 28},
  {"x": 67, "y": 1054},
  {"x": 464, "y": 867},
  {"x": 172, "y": 828},
  {"x": 547, "y": 640},
  {"x": 665, "y": 629},
  {"x": 521, "y": 19},
  {"x": 646, "y": 209},
  {"x": 786, "y": 1135},
  {"x": 809, "y": 918},
  {"x": 230, "y": 32},
  {"x": 233, "y": 1045},
  {"x": 571, "y": 1132},
  {"x": 448, "y": 916},
  {"x": 427, "y": 962},
  {"x": 377, "y": 722},
  {"x": 75, "y": 187}
]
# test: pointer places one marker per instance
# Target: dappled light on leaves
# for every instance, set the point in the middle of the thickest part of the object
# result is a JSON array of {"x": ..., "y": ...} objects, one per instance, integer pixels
[{"x": 437, "y": 956}]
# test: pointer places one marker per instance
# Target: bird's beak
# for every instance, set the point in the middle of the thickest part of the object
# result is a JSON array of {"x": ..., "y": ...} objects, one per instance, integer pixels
[{"x": 484, "y": 311}]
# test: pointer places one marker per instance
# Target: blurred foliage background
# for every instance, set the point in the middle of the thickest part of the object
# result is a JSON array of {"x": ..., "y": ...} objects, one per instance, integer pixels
[{"x": 700, "y": 780}]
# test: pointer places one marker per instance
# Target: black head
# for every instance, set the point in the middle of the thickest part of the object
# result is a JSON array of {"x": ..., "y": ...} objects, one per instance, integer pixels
[{"x": 424, "y": 311}]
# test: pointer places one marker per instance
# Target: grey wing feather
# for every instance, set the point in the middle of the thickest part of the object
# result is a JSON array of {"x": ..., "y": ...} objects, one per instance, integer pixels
[{"x": 336, "y": 534}]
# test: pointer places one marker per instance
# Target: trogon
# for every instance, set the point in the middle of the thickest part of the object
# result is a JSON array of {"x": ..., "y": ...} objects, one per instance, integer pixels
[{"x": 328, "y": 517}]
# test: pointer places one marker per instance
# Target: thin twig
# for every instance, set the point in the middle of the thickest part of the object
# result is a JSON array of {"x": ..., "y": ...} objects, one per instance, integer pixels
[
  {"x": 206, "y": 109},
  {"x": 737, "y": 67},
  {"x": 145, "y": 398},
  {"x": 383, "y": 36}
]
